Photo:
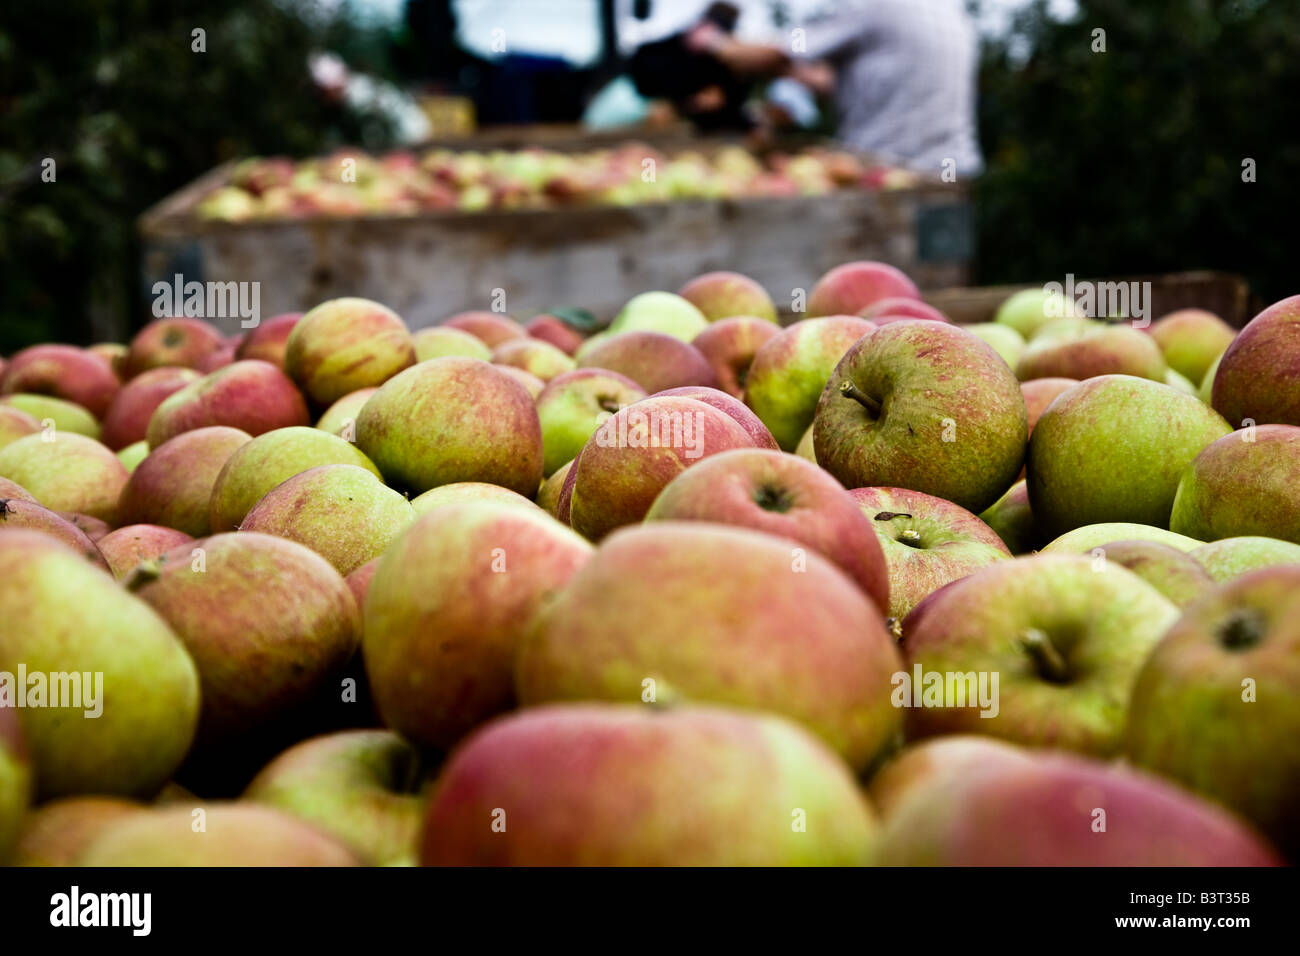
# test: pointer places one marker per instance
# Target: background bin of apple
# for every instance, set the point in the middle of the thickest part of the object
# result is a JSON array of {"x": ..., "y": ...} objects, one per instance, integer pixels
[{"x": 509, "y": 593}]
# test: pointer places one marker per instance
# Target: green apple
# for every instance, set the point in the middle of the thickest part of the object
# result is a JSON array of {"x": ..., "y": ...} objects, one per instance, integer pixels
[
  {"x": 698, "y": 612},
  {"x": 548, "y": 498},
  {"x": 15, "y": 781},
  {"x": 661, "y": 312},
  {"x": 133, "y": 454},
  {"x": 475, "y": 575},
  {"x": 806, "y": 448},
  {"x": 1192, "y": 340},
  {"x": 1012, "y": 519},
  {"x": 1112, "y": 449},
  {"x": 173, "y": 486},
  {"x": 1256, "y": 376},
  {"x": 1243, "y": 484},
  {"x": 782, "y": 495},
  {"x": 924, "y": 406},
  {"x": 62, "y": 616},
  {"x": 573, "y": 405},
  {"x": 1206, "y": 392},
  {"x": 604, "y": 785},
  {"x": 1062, "y": 810},
  {"x": 1030, "y": 309},
  {"x": 1215, "y": 706},
  {"x": 257, "y": 466},
  {"x": 66, "y": 472},
  {"x": 1175, "y": 380},
  {"x": 1003, "y": 339},
  {"x": 341, "y": 417},
  {"x": 1230, "y": 558},
  {"x": 361, "y": 787},
  {"x": 788, "y": 372},
  {"x": 534, "y": 356},
  {"x": 1084, "y": 540},
  {"x": 65, "y": 416},
  {"x": 232, "y": 834},
  {"x": 266, "y": 620},
  {"x": 1063, "y": 636},
  {"x": 342, "y": 512},
  {"x": 453, "y": 419},
  {"x": 927, "y": 542},
  {"x": 439, "y": 341},
  {"x": 346, "y": 344},
  {"x": 723, "y": 295}
]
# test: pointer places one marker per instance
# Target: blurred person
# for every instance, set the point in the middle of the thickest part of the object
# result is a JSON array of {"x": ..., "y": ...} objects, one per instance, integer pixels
[
  {"x": 903, "y": 75},
  {"x": 700, "y": 87}
]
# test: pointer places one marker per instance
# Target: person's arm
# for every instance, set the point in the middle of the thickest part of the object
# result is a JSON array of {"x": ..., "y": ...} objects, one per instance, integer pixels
[{"x": 746, "y": 59}]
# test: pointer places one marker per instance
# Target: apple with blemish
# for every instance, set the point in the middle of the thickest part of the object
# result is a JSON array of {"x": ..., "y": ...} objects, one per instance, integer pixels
[
  {"x": 177, "y": 341},
  {"x": 924, "y": 406}
]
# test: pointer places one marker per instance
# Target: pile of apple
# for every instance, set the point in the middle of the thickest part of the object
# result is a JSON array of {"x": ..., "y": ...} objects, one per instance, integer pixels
[
  {"x": 492, "y": 609},
  {"x": 403, "y": 183}
]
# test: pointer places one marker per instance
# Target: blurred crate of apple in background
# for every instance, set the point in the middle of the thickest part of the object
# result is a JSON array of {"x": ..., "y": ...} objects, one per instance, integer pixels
[{"x": 430, "y": 263}]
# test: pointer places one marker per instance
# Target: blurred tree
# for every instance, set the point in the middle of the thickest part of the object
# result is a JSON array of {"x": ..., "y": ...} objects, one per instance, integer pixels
[
  {"x": 130, "y": 104},
  {"x": 1130, "y": 160}
]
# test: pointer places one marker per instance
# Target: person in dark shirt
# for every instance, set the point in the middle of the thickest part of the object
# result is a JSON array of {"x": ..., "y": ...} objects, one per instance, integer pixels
[{"x": 700, "y": 86}]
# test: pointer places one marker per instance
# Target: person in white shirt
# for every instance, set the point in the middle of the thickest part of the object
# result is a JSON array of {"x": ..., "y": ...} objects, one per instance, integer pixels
[{"x": 903, "y": 74}]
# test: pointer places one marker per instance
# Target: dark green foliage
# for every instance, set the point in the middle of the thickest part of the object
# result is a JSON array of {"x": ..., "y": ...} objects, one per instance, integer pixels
[
  {"x": 113, "y": 92},
  {"x": 1130, "y": 161}
]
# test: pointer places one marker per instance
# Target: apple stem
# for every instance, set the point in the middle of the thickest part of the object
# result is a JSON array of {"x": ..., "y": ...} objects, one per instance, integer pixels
[
  {"x": 142, "y": 574},
  {"x": 1047, "y": 658},
  {"x": 849, "y": 390}
]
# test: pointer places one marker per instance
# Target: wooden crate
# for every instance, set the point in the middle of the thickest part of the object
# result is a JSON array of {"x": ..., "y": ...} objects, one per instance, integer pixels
[
  {"x": 1222, "y": 293},
  {"x": 430, "y": 266}
]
